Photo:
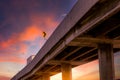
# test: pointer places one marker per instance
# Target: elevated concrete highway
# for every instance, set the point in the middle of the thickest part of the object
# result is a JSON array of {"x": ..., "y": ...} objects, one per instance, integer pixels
[{"x": 90, "y": 31}]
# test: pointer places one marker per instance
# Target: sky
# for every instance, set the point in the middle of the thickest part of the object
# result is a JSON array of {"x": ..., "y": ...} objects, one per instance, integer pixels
[{"x": 22, "y": 23}]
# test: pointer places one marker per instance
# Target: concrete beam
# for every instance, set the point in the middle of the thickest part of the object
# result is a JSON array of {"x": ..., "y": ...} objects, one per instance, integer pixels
[
  {"x": 63, "y": 58},
  {"x": 47, "y": 72},
  {"x": 66, "y": 71},
  {"x": 90, "y": 41},
  {"x": 106, "y": 62},
  {"x": 84, "y": 53},
  {"x": 57, "y": 62},
  {"x": 101, "y": 15},
  {"x": 97, "y": 40}
]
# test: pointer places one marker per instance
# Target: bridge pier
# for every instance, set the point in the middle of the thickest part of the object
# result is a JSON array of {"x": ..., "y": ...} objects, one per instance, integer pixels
[
  {"x": 39, "y": 78},
  {"x": 45, "y": 76},
  {"x": 66, "y": 71},
  {"x": 106, "y": 62}
]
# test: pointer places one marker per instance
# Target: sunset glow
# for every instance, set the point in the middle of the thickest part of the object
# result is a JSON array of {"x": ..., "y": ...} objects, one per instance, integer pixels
[
  {"x": 22, "y": 23},
  {"x": 87, "y": 71}
]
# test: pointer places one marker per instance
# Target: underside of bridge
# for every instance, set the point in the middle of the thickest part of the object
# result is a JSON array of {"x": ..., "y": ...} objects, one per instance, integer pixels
[
  {"x": 95, "y": 36},
  {"x": 84, "y": 48}
]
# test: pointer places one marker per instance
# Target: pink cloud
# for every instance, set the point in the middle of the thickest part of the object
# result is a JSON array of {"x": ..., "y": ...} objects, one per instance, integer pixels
[
  {"x": 23, "y": 48},
  {"x": 13, "y": 59},
  {"x": 10, "y": 45},
  {"x": 4, "y": 78},
  {"x": 12, "y": 40},
  {"x": 37, "y": 24},
  {"x": 33, "y": 31},
  {"x": 30, "y": 33},
  {"x": 43, "y": 20}
]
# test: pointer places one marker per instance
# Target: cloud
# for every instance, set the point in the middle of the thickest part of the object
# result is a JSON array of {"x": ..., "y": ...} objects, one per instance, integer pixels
[
  {"x": 44, "y": 21},
  {"x": 30, "y": 34},
  {"x": 15, "y": 44},
  {"x": 17, "y": 15},
  {"x": 22, "y": 48},
  {"x": 22, "y": 23},
  {"x": 11, "y": 41},
  {"x": 4, "y": 78},
  {"x": 12, "y": 58}
]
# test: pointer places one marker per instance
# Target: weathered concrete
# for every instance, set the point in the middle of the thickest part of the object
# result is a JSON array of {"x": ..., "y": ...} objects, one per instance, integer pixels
[
  {"x": 106, "y": 62},
  {"x": 45, "y": 76},
  {"x": 66, "y": 71}
]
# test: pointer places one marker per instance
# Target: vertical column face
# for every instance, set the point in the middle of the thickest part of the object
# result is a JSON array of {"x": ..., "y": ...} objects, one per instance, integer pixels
[
  {"x": 66, "y": 71},
  {"x": 40, "y": 78},
  {"x": 106, "y": 62},
  {"x": 45, "y": 76}
]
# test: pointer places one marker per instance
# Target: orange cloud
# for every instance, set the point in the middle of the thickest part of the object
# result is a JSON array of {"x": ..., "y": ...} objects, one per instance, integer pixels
[
  {"x": 15, "y": 44},
  {"x": 44, "y": 20},
  {"x": 11, "y": 41},
  {"x": 50, "y": 22},
  {"x": 11, "y": 49},
  {"x": 31, "y": 33},
  {"x": 10, "y": 45},
  {"x": 39, "y": 23},
  {"x": 22, "y": 48},
  {"x": 13, "y": 59},
  {"x": 4, "y": 78}
]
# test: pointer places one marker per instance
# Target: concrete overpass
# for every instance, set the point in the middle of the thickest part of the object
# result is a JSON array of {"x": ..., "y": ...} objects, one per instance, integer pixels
[{"x": 90, "y": 31}]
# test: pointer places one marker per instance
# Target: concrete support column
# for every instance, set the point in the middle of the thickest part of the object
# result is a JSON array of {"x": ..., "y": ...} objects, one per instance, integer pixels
[
  {"x": 45, "y": 76},
  {"x": 40, "y": 78},
  {"x": 106, "y": 61},
  {"x": 66, "y": 71}
]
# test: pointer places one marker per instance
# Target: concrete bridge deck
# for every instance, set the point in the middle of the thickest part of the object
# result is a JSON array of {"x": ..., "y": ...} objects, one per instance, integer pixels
[{"x": 90, "y": 31}]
